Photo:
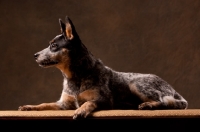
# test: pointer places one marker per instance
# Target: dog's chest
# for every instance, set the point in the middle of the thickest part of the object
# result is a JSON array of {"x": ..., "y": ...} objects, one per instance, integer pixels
[{"x": 76, "y": 87}]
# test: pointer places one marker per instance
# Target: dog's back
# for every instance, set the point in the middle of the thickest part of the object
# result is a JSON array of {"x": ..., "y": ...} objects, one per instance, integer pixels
[{"x": 150, "y": 91}]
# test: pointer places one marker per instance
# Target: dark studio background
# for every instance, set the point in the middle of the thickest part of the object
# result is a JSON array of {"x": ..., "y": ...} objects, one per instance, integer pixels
[{"x": 147, "y": 36}]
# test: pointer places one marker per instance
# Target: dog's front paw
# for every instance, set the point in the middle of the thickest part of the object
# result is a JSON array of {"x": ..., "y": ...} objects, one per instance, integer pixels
[
  {"x": 80, "y": 113},
  {"x": 26, "y": 108},
  {"x": 84, "y": 110}
]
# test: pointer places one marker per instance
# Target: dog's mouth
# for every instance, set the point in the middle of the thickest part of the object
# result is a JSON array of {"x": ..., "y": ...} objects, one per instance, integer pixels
[{"x": 46, "y": 63}]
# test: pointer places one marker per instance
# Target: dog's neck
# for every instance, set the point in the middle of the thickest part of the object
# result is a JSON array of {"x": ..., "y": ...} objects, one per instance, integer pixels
[
  {"x": 65, "y": 71},
  {"x": 83, "y": 63}
]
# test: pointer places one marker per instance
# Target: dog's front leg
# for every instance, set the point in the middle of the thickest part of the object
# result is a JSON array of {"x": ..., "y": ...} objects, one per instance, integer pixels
[
  {"x": 65, "y": 103},
  {"x": 85, "y": 109},
  {"x": 87, "y": 103},
  {"x": 43, "y": 106}
]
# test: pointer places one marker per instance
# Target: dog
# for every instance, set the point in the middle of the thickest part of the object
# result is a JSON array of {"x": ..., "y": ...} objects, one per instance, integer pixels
[{"x": 90, "y": 86}]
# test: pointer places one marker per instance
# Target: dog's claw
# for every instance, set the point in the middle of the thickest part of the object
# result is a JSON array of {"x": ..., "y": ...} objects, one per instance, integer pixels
[
  {"x": 75, "y": 117},
  {"x": 79, "y": 114},
  {"x": 20, "y": 108}
]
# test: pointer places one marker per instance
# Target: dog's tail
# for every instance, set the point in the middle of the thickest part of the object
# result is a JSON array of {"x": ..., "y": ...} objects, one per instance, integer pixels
[
  {"x": 176, "y": 102},
  {"x": 181, "y": 102}
]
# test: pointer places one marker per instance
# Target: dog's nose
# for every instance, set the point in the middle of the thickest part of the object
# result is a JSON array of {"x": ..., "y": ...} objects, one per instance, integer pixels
[{"x": 36, "y": 55}]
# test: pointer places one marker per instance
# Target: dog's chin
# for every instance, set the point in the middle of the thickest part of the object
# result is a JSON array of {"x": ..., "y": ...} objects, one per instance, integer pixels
[{"x": 48, "y": 64}]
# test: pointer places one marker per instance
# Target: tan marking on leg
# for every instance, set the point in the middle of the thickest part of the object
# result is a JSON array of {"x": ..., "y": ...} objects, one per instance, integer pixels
[
  {"x": 43, "y": 106},
  {"x": 88, "y": 95},
  {"x": 86, "y": 101},
  {"x": 134, "y": 90},
  {"x": 149, "y": 105},
  {"x": 85, "y": 110},
  {"x": 68, "y": 101}
]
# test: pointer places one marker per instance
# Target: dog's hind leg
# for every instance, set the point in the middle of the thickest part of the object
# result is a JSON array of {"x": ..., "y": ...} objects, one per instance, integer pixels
[
  {"x": 168, "y": 102},
  {"x": 149, "y": 105}
]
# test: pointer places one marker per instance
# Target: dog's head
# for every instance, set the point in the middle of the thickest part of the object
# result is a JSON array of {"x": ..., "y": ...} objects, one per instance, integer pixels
[{"x": 57, "y": 53}]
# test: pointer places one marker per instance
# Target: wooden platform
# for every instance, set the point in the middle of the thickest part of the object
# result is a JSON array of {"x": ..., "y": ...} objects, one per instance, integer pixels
[
  {"x": 109, "y": 120},
  {"x": 108, "y": 114}
]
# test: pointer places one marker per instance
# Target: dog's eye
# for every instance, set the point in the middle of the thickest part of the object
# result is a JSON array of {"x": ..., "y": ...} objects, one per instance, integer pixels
[{"x": 54, "y": 45}]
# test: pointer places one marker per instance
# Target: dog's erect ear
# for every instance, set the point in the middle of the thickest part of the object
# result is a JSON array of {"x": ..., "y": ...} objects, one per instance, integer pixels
[
  {"x": 66, "y": 28},
  {"x": 62, "y": 27}
]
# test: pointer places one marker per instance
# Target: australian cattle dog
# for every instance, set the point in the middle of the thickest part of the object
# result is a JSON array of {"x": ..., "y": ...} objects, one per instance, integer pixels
[{"x": 89, "y": 85}]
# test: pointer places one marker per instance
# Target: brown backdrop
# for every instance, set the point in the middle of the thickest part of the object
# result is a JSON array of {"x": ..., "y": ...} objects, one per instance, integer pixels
[{"x": 146, "y": 36}]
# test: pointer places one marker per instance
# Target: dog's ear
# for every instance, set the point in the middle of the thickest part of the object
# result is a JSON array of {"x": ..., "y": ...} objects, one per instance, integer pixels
[{"x": 66, "y": 28}]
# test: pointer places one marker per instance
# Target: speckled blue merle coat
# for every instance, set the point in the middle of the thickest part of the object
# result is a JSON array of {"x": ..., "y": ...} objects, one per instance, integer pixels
[{"x": 89, "y": 85}]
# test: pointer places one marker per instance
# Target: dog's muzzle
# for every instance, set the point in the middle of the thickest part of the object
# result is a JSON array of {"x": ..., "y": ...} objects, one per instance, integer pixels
[{"x": 45, "y": 62}]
